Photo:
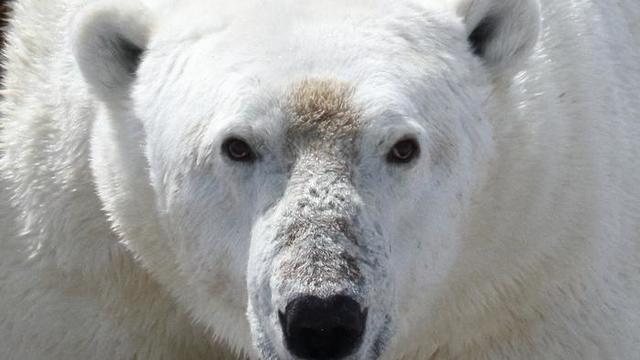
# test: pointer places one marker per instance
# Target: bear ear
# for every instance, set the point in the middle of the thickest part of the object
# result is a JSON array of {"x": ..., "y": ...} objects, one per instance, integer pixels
[
  {"x": 109, "y": 40},
  {"x": 501, "y": 32}
]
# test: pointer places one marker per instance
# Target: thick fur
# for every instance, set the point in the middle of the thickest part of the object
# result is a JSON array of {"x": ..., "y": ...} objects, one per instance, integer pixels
[{"x": 127, "y": 234}]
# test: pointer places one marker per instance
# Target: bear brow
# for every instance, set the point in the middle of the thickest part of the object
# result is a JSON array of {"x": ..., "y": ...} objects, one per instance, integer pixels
[{"x": 321, "y": 108}]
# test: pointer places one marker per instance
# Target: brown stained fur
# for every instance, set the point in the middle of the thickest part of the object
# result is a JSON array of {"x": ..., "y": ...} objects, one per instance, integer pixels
[{"x": 322, "y": 111}]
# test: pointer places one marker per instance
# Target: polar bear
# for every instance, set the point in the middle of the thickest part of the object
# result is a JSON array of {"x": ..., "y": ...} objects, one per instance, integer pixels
[{"x": 361, "y": 180}]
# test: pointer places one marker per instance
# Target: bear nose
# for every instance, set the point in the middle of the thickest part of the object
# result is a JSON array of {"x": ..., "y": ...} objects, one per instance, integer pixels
[{"x": 316, "y": 328}]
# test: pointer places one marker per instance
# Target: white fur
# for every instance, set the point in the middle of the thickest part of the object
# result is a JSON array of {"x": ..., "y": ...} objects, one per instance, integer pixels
[{"x": 125, "y": 234}]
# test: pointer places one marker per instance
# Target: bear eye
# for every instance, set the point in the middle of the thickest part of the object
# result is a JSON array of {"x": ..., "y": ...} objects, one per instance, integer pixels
[
  {"x": 404, "y": 151},
  {"x": 238, "y": 150}
]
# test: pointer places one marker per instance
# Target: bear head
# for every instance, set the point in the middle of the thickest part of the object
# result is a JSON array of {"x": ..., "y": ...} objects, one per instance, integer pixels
[{"x": 297, "y": 174}]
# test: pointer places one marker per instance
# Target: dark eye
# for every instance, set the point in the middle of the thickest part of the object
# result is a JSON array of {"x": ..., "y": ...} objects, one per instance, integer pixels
[
  {"x": 404, "y": 151},
  {"x": 238, "y": 150}
]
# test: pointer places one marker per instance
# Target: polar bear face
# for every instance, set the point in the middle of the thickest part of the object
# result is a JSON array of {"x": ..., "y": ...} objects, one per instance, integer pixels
[{"x": 309, "y": 174}]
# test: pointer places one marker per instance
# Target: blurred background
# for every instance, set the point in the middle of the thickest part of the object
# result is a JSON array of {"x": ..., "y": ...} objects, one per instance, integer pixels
[{"x": 3, "y": 12}]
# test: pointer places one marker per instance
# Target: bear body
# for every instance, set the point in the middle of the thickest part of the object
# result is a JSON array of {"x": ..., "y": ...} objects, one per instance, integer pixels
[{"x": 123, "y": 236}]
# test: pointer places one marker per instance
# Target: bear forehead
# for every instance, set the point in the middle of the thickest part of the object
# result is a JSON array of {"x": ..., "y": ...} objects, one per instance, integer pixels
[{"x": 321, "y": 111}]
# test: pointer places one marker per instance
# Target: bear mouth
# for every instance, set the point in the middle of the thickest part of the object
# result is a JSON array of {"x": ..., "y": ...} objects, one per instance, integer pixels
[{"x": 379, "y": 345}]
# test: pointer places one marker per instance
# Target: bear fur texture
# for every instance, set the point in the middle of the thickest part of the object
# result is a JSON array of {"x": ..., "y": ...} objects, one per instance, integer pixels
[{"x": 175, "y": 174}]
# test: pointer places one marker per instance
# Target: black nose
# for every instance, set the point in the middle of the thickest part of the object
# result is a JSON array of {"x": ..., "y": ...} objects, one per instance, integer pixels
[{"x": 316, "y": 328}]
